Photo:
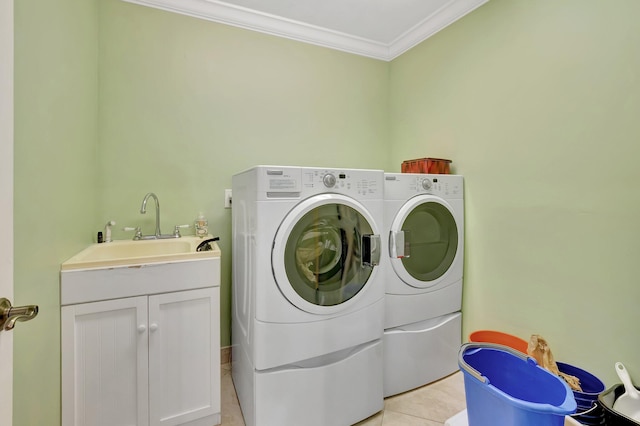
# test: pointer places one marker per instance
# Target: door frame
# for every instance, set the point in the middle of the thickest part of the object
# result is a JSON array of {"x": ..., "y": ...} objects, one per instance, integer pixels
[{"x": 6, "y": 200}]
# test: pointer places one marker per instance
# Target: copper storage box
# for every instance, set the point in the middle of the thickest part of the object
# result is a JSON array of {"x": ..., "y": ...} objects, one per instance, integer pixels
[{"x": 427, "y": 165}]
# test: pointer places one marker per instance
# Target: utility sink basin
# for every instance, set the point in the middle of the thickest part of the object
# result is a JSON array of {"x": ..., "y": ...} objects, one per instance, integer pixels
[{"x": 131, "y": 253}]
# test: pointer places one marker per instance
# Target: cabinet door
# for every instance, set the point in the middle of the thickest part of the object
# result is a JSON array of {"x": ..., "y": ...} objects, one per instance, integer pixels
[
  {"x": 184, "y": 356},
  {"x": 104, "y": 363}
]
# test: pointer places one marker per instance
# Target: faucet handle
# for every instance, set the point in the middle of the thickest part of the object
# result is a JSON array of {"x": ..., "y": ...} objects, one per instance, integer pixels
[
  {"x": 176, "y": 230},
  {"x": 138, "y": 232}
]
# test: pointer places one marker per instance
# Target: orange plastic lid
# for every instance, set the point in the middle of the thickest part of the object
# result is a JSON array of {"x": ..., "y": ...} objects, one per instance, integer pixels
[{"x": 500, "y": 338}]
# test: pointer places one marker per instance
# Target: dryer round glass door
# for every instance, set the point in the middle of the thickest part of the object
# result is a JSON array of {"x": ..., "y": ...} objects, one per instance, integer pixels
[
  {"x": 424, "y": 241},
  {"x": 321, "y": 251}
]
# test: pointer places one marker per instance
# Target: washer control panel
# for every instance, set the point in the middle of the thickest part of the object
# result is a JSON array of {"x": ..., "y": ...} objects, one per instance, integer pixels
[
  {"x": 302, "y": 182},
  {"x": 356, "y": 183}
]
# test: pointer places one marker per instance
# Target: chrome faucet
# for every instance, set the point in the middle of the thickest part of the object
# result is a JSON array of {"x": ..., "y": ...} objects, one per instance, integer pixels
[
  {"x": 143, "y": 210},
  {"x": 158, "y": 234}
]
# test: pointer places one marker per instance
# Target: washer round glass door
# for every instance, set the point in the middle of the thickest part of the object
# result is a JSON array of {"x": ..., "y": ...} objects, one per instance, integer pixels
[
  {"x": 427, "y": 229},
  {"x": 319, "y": 253}
]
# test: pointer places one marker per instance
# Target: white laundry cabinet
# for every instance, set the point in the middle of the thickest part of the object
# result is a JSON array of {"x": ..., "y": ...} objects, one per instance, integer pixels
[{"x": 141, "y": 345}]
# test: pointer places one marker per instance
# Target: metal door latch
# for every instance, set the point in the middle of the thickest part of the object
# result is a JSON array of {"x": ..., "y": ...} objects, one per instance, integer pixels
[
  {"x": 9, "y": 315},
  {"x": 399, "y": 244},
  {"x": 370, "y": 250}
]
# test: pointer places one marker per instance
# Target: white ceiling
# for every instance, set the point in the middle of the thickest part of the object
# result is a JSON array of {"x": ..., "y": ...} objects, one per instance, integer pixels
[{"x": 381, "y": 29}]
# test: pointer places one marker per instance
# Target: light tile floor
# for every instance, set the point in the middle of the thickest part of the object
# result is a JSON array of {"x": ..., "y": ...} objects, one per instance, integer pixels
[{"x": 430, "y": 405}]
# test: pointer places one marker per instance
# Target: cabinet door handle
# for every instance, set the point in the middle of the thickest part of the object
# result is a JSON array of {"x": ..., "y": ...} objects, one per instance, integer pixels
[
  {"x": 153, "y": 327},
  {"x": 142, "y": 328}
]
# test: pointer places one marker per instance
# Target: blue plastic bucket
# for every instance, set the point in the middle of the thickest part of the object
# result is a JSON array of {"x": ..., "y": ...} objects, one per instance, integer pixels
[
  {"x": 591, "y": 385},
  {"x": 505, "y": 387}
]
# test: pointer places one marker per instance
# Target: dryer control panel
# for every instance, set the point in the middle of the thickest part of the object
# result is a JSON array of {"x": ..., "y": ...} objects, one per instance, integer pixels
[{"x": 402, "y": 185}]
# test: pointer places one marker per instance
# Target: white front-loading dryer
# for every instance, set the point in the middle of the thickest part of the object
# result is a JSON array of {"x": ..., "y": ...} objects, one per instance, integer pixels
[
  {"x": 423, "y": 267},
  {"x": 308, "y": 295}
]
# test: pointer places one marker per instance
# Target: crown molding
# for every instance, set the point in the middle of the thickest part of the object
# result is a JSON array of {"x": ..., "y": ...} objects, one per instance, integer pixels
[
  {"x": 225, "y": 13},
  {"x": 442, "y": 18}
]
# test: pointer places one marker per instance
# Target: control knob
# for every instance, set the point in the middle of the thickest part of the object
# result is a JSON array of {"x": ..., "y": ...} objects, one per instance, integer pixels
[
  {"x": 426, "y": 184},
  {"x": 329, "y": 180}
]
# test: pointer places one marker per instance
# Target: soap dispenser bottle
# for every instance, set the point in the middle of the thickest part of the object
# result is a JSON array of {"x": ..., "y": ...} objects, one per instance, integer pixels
[{"x": 202, "y": 226}]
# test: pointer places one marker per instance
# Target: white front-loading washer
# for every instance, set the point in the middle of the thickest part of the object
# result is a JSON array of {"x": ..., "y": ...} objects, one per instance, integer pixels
[
  {"x": 308, "y": 296},
  {"x": 423, "y": 268}
]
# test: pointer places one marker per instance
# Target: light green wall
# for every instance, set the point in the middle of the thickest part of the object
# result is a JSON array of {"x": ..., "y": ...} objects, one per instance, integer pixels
[
  {"x": 186, "y": 103},
  {"x": 537, "y": 103},
  {"x": 56, "y": 110}
]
